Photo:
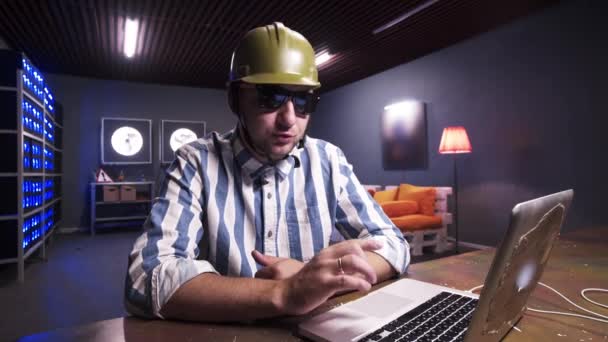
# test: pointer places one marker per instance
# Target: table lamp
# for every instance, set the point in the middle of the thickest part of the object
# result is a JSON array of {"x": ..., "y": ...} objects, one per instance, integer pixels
[{"x": 455, "y": 140}]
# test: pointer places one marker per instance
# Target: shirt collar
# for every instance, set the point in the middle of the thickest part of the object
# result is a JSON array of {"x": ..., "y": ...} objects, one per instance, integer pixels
[{"x": 256, "y": 169}]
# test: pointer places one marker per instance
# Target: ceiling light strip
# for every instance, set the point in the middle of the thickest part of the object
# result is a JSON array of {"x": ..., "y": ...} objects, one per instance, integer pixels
[
  {"x": 131, "y": 26},
  {"x": 404, "y": 16}
]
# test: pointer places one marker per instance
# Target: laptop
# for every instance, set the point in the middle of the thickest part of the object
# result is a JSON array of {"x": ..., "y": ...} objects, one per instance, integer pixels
[{"x": 411, "y": 310}]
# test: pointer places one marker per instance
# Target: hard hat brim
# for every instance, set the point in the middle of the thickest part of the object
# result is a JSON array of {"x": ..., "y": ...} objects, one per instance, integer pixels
[{"x": 291, "y": 79}]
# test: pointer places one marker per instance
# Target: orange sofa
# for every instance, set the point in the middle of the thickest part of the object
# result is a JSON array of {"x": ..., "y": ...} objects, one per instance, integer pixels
[{"x": 419, "y": 212}]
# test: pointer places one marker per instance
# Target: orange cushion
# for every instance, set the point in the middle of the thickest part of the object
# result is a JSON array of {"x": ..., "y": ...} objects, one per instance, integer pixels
[
  {"x": 425, "y": 196},
  {"x": 399, "y": 208},
  {"x": 416, "y": 222},
  {"x": 386, "y": 195}
]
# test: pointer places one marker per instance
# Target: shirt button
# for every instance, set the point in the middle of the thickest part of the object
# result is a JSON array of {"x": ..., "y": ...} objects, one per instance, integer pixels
[
  {"x": 270, "y": 233},
  {"x": 268, "y": 195}
]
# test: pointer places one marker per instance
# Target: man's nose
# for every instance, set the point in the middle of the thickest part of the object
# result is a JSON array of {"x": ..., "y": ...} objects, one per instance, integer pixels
[{"x": 287, "y": 114}]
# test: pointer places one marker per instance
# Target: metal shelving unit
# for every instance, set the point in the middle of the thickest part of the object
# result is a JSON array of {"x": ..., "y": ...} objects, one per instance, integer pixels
[
  {"x": 30, "y": 162},
  {"x": 96, "y": 201}
]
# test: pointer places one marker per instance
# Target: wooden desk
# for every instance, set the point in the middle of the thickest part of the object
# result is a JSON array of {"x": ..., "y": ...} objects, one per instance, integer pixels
[{"x": 579, "y": 260}]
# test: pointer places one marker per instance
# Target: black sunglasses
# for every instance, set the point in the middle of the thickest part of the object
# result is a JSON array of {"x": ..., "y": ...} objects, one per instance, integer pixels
[{"x": 271, "y": 97}]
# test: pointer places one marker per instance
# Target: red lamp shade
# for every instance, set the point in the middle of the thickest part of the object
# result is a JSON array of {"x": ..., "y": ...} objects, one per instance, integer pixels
[{"x": 455, "y": 140}]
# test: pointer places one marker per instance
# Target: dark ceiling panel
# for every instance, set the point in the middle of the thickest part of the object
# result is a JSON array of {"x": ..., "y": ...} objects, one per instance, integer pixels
[{"x": 189, "y": 42}]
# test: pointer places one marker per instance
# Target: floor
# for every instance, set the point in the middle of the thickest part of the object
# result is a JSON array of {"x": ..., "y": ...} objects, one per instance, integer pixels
[{"x": 81, "y": 281}]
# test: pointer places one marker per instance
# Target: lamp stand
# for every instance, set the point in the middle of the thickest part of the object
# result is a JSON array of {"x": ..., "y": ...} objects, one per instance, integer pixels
[{"x": 455, "y": 220}]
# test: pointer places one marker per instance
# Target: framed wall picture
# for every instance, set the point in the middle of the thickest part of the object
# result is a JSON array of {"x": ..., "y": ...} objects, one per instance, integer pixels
[
  {"x": 126, "y": 141},
  {"x": 175, "y": 133},
  {"x": 404, "y": 138}
]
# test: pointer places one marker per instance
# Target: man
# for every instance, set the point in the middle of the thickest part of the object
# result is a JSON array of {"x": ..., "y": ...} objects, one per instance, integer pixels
[{"x": 261, "y": 200}]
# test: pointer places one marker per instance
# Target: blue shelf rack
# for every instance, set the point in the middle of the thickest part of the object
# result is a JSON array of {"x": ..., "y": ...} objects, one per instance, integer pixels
[{"x": 30, "y": 165}]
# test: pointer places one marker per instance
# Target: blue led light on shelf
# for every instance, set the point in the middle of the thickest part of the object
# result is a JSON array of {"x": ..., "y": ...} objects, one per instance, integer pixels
[
  {"x": 32, "y": 117},
  {"x": 34, "y": 88},
  {"x": 48, "y": 187},
  {"x": 49, "y": 130},
  {"x": 33, "y": 195},
  {"x": 37, "y": 114},
  {"x": 48, "y": 219},
  {"x": 49, "y": 156},
  {"x": 35, "y": 149},
  {"x": 26, "y": 191},
  {"x": 32, "y": 229},
  {"x": 32, "y": 79},
  {"x": 36, "y": 156},
  {"x": 49, "y": 100},
  {"x": 26, "y": 155}
]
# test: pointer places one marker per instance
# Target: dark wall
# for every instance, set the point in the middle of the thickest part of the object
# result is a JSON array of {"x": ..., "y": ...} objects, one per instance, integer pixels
[
  {"x": 3, "y": 45},
  {"x": 86, "y": 101},
  {"x": 531, "y": 96}
]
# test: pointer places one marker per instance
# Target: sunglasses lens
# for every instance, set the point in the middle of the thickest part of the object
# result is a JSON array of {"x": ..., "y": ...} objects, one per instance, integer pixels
[
  {"x": 275, "y": 101},
  {"x": 299, "y": 103},
  {"x": 273, "y": 97},
  {"x": 270, "y": 98}
]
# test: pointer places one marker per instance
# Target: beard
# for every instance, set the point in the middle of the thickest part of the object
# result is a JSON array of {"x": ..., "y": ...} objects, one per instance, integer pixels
[{"x": 269, "y": 148}]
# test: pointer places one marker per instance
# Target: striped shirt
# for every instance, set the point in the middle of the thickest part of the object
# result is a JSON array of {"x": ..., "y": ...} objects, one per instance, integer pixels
[{"x": 218, "y": 203}]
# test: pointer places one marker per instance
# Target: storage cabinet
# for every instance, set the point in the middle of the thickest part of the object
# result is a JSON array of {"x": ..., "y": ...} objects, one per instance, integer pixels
[
  {"x": 30, "y": 162},
  {"x": 116, "y": 202}
]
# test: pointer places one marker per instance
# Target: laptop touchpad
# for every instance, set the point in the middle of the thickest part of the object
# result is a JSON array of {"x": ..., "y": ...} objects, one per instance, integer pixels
[{"x": 379, "y": 304}]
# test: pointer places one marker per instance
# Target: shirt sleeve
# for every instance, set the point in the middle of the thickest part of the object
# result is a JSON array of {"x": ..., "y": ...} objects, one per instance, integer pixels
[
  {"x": 164, "y": 257},
  {"x": 358, "y": 216}
]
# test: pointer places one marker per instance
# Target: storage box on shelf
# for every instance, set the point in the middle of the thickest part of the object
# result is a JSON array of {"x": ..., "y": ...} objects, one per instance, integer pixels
[
  {"x": 30, "y": 163},
  {"x": 127, "y": 193},
  {"x": 117, "y": 202},
  {"x": 110, "y": 193}
]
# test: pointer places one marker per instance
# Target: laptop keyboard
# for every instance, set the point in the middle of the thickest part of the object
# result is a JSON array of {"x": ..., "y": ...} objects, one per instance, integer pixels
[{"x": 443, "y": 318}]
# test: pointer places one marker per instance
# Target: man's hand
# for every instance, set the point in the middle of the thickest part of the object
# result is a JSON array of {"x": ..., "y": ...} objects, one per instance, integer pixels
[
  {"x": 276, "y": 268},
  {"x": 337, "y": 268}
]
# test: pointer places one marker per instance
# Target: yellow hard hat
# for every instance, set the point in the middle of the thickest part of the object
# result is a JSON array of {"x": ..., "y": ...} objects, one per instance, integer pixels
[{"x": 274, "y": 54}]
